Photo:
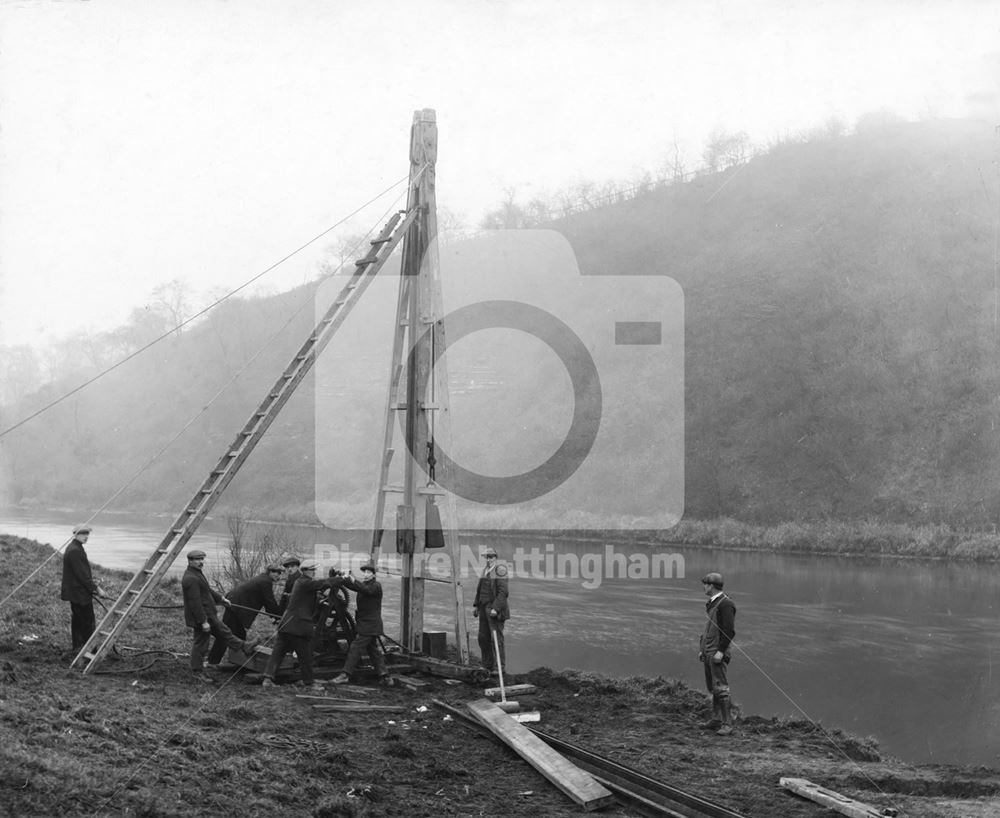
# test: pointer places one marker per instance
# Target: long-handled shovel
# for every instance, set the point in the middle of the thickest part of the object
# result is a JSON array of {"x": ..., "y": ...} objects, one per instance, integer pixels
[{"x": 503, "y": 704}]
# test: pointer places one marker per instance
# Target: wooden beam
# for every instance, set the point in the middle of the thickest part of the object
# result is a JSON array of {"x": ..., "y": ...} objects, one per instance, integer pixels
[
  {"x": 574, "y": 782},
  {"x": 449, "y": 670},
  {"x": 833, "y": 800},
  {"x": 512, "y": 691},
  {"x": 420, "y": 267},
  {"x": 359, "y": 708}
]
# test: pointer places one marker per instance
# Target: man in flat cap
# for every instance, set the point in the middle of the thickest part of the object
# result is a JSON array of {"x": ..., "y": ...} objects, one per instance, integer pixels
[
  {"x": 79, "y": 588},
  {"x": 491, "y": 609},
  {"x": 200, "y": 615},
  {"x": 291, "y": 564},
  {"x": 714, "y": 651},
  {"x": 298, "y": 624},
  {"x": 247, "y": 598},
  {"x": 368, "y": 619}
]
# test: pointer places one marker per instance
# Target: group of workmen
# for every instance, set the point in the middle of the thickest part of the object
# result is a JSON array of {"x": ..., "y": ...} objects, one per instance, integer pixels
[
  {"x": 307, "y": 601},
  {"x": 304, "y": 603}
]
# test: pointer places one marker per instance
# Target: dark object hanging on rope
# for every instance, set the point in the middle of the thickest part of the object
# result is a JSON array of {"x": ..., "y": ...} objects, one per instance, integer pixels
[{"x": 433, "y": 535}]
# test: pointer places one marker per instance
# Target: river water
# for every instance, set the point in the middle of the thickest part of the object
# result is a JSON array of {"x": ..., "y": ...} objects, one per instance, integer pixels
[{"x": 900, "y": 650}]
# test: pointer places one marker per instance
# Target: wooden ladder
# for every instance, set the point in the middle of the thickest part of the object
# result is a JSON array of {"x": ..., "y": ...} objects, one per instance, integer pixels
[{"x": 142, "y": 585}]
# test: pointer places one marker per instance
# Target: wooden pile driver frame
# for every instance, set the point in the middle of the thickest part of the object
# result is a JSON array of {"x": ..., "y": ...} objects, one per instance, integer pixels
[{"x": 419, "y": 330}]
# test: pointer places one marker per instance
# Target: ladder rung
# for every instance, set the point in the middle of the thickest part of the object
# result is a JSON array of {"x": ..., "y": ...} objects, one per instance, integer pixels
[
  {"x": 90, "y": 656},
  {"x": 430, "y": 490},
  {"x": 107, "y": 634},
  {"x": 120, "y": 613},
  {"x": 164, "y": 550},
  {"x": 398, "y": 489},
  {"x": 147, "y": 570},
  {"x": 131, "y": 591},
  {"x": 379, "y": 240}
]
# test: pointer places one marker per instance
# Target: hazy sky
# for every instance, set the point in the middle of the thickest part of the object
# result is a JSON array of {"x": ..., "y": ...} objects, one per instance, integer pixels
[{"x": 146, "y": 141}]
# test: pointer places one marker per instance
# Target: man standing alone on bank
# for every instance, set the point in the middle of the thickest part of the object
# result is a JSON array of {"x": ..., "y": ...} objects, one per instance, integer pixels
[
  {"x": 491, "y": 610},
  {"x": 79, "y": 588},
  {"x": 714, "y": 651}
]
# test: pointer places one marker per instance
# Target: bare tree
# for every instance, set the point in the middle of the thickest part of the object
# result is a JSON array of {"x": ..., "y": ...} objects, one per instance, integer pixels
[{"x": 172, "y": 300}]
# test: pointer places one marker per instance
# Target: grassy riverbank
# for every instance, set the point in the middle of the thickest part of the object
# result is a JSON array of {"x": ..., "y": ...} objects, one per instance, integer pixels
[
  {"x": 140, "y": 739},
  {"x": 867, "y": 538}
]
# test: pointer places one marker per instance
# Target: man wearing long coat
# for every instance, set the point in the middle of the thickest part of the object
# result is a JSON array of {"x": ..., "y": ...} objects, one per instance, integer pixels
[
  {"x": 491, "y": 609},
  {"x": 79, "y": 587},
  {"x": 200, "y": 615}
]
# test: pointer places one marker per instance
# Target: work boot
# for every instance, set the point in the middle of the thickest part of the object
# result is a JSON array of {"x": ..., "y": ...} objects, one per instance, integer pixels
[
  {"x": 267, "y": 683},
  {"x": 316, "y": 687},
  {"x": 727, "y": 718},
  {"x": 342, "y": 679},
  {"x": 715, "y": 722},
  {"x": 204, "y": 678}
]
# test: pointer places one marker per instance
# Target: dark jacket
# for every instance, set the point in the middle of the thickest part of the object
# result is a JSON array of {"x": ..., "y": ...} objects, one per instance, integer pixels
[
  {"x": 78, "y": 584},
  {"x": 299, "y": 616},
  {"x": 368, "y": 615},
  {"x": 720, "y": 629},
  {"x": 286, "y": 594},
  {"x": 255, "y": 593},
  {"x": 199, "y": 598},
  {"x": 491, "y": 592}
]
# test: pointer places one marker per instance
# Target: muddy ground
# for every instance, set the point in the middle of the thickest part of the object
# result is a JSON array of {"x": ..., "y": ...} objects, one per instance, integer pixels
[{"x": 141, "y": 739}]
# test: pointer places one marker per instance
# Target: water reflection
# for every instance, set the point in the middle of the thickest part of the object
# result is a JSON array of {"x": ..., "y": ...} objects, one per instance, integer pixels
[{"x": 899, "y": 650}]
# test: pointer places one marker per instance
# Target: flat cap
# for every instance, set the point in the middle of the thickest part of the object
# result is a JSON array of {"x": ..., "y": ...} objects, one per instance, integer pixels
[
  {"x": 197, "y": 554},
  {"x": 490, "y": 552},
  {"x": 290, "y": 559},
  {"x": 82, "y": 529},
  {"x": 309, "y": 565},
  {"x": 713, "y": 578},
  {"x": 368, "y": 566}
]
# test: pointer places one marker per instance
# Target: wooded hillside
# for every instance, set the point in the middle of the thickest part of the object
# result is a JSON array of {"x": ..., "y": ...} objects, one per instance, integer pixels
[{"x": 840, "y": 333}]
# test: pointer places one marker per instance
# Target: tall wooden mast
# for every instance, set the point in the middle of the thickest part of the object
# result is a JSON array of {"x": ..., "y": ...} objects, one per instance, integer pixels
[{"x": 421, "y": 397}]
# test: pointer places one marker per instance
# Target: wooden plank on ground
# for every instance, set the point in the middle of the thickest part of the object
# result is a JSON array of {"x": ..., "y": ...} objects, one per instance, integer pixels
[
  {"x": 527, "y": 716},
  {"x": 360, "y": 708},
  {"x": 449, "y": 670},
  {"x": 574, "y": 782},
  {"x": 331, "y": 699},
  {"x": 512, "y": 691},
  {"x": 832, "y": 800},
  {"x": 410, "y": 683}
]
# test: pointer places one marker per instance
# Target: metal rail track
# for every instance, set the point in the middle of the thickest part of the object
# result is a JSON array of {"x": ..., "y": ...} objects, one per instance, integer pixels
[{"x": 635, "y": 790}]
